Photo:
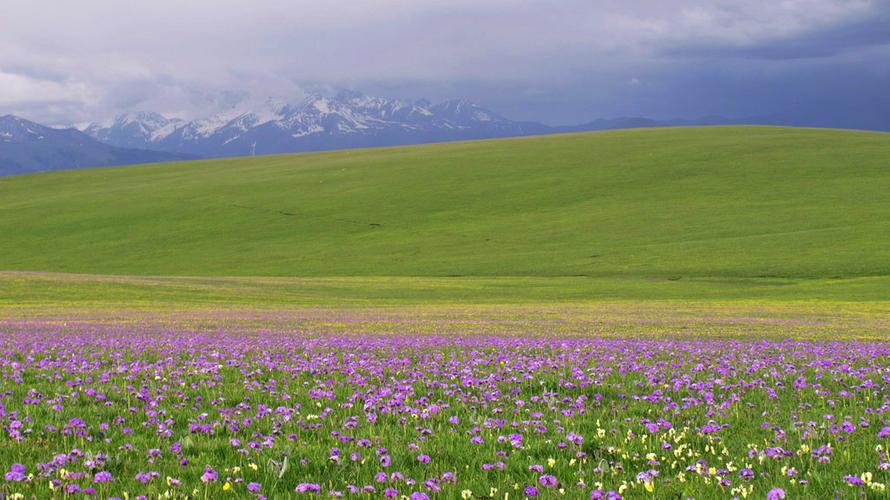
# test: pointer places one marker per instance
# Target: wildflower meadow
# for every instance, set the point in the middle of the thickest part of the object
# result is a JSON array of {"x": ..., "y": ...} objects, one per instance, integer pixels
[{"x": 137, "y": 411}]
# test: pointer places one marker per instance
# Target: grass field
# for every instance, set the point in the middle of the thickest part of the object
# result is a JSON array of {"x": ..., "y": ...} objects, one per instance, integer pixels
[
  {"x": 733, "y": 202},
  {"x": 150, "y": 292},
  {"x": 672, "y": 313}
]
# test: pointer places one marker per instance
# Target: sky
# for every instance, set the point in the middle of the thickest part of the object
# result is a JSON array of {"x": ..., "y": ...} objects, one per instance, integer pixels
[{"x": 553, "y": 61}]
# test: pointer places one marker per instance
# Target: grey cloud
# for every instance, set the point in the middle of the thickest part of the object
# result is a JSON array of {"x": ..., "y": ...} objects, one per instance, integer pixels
[
  {"x": 872, "y": 29},
  {"x": 558, "y": 62}
]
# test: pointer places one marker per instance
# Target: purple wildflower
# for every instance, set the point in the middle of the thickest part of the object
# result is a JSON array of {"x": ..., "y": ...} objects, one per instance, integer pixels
[
  {"x": 102, "y": 477},
  {"x": 547, "y": 481},
  {"x": 775, "y": 494},
  {"x": 308, "y": 488}
]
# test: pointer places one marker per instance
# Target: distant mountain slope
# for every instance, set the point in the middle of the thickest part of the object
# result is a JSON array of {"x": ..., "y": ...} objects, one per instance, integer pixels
[
  {"x": 646, "y": 204},
  {"x": 26, "y": 147},
  {"x": 346, "y": 120},
  {"x": 134, "y": 130}
]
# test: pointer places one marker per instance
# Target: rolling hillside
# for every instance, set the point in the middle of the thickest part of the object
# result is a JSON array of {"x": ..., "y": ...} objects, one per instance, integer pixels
[{"x": 680, "y": 203}]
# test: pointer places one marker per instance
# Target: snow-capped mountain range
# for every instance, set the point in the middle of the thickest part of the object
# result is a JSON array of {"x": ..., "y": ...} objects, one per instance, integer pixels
[
  {"x": 348, "y": 119},
  {"x": 26, "y": 146},
  {"x": 316, "y": 122}
]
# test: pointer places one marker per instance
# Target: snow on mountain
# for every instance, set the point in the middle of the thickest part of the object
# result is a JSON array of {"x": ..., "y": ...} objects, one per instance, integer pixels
[
  {"x": 16, "y": 130},
  {"x": 317, "y": 122},
  {"x": 134, "y": 130},
  {"x": 26, "y": 146},
  {"x": 241, "y": 117}
]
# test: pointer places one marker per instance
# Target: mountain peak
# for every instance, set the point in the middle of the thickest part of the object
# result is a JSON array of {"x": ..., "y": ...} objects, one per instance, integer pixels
[
  {"x": 140, "y": 117},
  {"x": 13, "y": 119},
  {"x": 26, "y": 146},
  {"x": 317, "y": 121},
  {"x": 17, "y": 129}
]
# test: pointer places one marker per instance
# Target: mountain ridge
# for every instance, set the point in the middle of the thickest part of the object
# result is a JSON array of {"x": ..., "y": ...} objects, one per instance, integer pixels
[
  {"x": 27, "y": 147},
  {"x": 350, "y": 119},
  {"x": 347, "y": 119}
]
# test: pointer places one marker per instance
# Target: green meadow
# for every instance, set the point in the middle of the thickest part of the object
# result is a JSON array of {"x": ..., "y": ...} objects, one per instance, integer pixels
[{"x": 706, "y": 213}]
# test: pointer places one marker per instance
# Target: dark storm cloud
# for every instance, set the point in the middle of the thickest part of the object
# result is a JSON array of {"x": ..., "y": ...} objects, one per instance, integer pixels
[{"x": 870, "y": 30}]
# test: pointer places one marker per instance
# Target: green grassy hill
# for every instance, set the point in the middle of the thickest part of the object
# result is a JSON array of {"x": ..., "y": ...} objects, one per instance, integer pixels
[{"x": 676, "y": 203}]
